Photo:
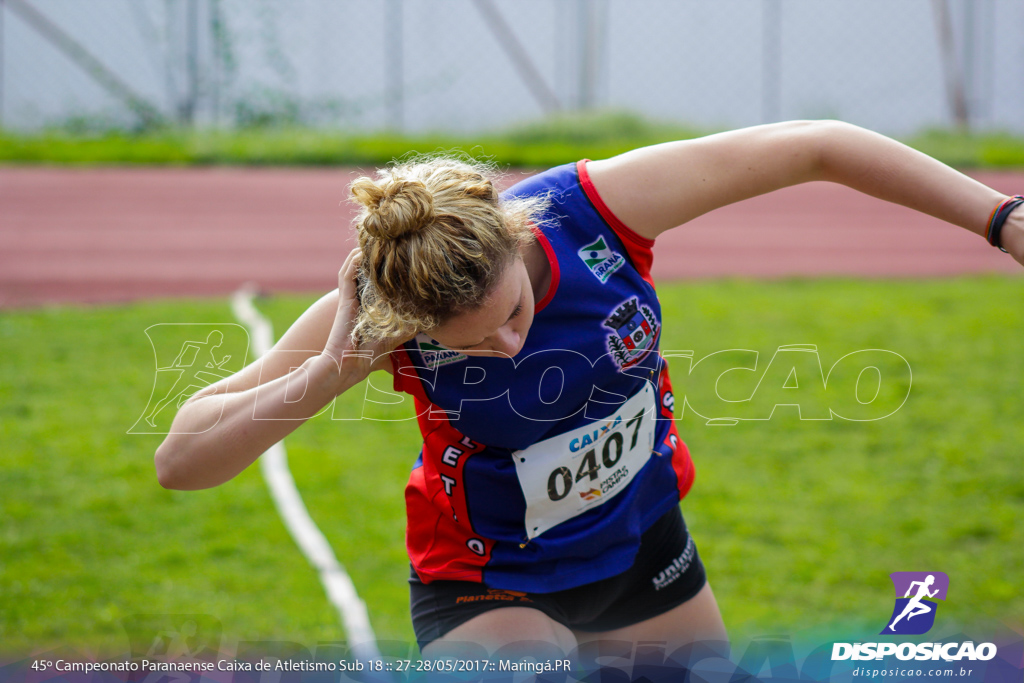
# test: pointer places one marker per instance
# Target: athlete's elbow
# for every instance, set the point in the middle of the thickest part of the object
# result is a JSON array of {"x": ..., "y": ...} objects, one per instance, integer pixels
[
  {"x": 165, "y": 474},
  {"x": 811, "y": 141},
  {"x": 169, "y": 471}
]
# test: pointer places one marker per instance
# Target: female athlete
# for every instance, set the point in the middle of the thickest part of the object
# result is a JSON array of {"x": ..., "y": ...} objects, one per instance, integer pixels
[{"x": 545, "y": 502}]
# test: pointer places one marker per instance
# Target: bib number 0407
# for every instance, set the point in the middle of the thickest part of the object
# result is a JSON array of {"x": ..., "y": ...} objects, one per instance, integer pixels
[
  {"x": 578, "y": 470},
  {"x": 561, "y": 480}
]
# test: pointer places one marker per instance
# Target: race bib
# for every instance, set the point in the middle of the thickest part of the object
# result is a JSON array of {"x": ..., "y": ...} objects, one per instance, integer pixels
[{"x": 567, "y": 474}]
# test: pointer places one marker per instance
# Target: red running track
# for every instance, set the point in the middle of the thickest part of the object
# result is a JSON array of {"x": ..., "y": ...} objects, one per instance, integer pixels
[{"x": 101, "y": 235}]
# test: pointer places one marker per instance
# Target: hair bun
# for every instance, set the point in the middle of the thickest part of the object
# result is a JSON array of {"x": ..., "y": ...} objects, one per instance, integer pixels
[{"x": 394, "y": 207}]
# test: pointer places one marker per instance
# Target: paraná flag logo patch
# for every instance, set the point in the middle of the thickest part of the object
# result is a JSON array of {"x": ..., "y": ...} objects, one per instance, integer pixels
[{"x": 600, "y": 259}]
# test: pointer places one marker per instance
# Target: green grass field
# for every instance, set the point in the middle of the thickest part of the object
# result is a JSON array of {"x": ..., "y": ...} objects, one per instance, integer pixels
[
  {"x": 798, "y": 522},
  {"x": 533, "y": 144}
]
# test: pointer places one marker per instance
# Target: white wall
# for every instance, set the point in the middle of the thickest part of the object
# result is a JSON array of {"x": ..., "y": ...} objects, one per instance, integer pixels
[{"x": 873, "y": 62}]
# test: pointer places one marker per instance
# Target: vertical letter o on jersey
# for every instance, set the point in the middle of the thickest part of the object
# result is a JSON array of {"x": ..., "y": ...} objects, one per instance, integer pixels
[{"x": 476, "y": 545}]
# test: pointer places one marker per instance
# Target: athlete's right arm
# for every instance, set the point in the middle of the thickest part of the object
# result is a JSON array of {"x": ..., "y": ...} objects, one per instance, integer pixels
[{"x": 223, "y": 428}]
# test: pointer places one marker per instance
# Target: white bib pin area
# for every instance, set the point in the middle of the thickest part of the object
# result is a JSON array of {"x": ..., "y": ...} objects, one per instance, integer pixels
[{"x": 581, "y": 469}]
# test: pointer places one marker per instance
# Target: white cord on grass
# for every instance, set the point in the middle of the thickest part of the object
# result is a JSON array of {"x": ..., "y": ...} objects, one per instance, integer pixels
[{"x": 311, "y": 541}]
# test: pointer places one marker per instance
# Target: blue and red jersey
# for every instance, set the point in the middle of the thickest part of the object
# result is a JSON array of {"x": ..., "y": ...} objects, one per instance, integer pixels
[{"x": 540, "y": 472}]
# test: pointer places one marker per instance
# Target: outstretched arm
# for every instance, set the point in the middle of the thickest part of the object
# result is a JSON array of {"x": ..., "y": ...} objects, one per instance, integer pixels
[{"x": 656, "y": 188}]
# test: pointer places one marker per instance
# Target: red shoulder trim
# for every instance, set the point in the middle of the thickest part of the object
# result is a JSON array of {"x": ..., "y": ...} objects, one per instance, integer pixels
[
  {"x": 406, "y": 380},
  {"x": 555, "y": 272},
  {"x": 637, "y": 246}
]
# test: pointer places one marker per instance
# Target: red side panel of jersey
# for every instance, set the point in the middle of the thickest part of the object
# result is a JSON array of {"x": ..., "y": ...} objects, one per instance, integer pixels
[
  {"x": 439, "y": 547},
  {"x": 682, "y": 463},
  {"x": 638, "y": 247},
  {"x": 439, "y": 533}
]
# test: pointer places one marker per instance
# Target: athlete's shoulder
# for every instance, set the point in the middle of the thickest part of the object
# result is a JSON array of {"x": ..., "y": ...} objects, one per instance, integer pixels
[{"x": 557, "y": 179}]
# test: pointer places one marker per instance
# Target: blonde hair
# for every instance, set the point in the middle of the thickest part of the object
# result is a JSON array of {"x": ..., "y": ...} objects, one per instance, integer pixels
[{"x": 436, "y": 238}]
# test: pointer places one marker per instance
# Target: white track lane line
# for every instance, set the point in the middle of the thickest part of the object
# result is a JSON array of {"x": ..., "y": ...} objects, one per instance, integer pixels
[{"x": 311, "y": 541}]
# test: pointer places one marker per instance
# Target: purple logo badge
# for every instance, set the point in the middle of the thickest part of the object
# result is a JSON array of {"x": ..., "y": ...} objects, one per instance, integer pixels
[{"x": 916, "y": 593}]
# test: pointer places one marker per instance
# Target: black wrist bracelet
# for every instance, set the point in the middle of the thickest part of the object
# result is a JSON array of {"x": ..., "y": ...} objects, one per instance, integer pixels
[{"x": 999, "y": 216}]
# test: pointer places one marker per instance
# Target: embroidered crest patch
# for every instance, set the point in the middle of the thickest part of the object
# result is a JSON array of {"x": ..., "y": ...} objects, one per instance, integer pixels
[{"x": 635, "y": 332}]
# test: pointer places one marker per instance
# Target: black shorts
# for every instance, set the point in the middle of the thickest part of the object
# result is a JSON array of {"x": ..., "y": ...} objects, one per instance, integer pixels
[{"x": 666, "y": 573}]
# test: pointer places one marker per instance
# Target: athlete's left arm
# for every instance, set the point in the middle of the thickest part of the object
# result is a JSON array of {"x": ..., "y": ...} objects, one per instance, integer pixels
[{"x": 656, "y": 188}]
